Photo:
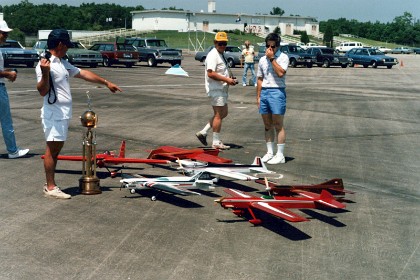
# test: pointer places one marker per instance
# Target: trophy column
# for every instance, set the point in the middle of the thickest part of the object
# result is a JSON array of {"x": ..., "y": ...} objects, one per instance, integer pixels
[{"x": 89, "y": 182}]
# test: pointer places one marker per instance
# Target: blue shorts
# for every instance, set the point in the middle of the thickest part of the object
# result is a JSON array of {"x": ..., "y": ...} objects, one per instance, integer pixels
[{"x": 273, "y": 101}]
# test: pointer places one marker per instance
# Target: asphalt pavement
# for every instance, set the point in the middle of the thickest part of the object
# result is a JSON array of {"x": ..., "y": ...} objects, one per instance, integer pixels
[{"x": 361, "y": 125}]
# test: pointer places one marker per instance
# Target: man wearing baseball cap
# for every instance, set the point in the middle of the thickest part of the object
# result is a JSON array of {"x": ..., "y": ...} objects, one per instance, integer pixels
[
  {"x": 5, "y": 114},
  {"x": 218, "y": 78},
  {"x": 53, "y": 73}
]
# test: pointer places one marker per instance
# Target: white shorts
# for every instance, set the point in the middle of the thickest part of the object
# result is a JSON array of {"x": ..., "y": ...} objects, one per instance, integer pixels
[
  {"x": 55, "y": 130},
  {"x": 218, "y": 100}
]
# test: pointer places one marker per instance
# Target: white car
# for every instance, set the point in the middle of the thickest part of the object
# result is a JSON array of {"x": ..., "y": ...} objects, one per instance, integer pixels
[{"x": 383, "y": 49}]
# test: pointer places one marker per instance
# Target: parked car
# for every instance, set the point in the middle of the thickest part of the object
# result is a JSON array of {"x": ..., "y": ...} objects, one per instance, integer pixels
[
  {"x": 402, "y": 50},
  {"x": 77, "y": 55},
  {"x": 346, "y": 46},
  {"x": 370, "y": 57},
  {"x": 14, "y": 53},
  {"x": 297, "y": 56},
  {"x": 327, "y": 57},
  {"x": 155, "y": 51},
  {"x": 261, "y": 53},
  {"x": 233, "y": 55},
  {"x": 383, "y": 49},
  {"x": 416, "y": 50},
  {"x": 116, "y": 53}
]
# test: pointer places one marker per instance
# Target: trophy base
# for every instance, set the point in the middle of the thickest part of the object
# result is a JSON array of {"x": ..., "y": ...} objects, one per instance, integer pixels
[{"x": 89, "y": 185}]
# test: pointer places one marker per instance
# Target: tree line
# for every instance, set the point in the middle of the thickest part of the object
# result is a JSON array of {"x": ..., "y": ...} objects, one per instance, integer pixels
[{"x": 27, "y": 18}]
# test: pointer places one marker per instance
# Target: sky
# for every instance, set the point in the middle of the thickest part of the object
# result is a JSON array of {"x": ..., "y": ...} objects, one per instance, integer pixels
[{"x": 361, "y": 10}]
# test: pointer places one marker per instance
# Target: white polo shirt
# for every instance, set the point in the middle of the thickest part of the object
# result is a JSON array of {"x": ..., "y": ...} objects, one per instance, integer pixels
[
  {"x": 60, "y": 71},
  {"x": 215, "y": 62},
  {"x": 266, "y": 71}
]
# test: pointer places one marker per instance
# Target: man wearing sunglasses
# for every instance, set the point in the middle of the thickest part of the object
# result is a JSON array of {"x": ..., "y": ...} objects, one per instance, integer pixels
[
  {"x": 5, "y": 115},
  {"x": 218, "y": 78},
  {"x": 271, "y": 97}
]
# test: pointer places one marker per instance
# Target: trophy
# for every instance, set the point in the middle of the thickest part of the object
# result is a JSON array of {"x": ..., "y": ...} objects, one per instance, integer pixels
[{"x": 89, "y": 182}]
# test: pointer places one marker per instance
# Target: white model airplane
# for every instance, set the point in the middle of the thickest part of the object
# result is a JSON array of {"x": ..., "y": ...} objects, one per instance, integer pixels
[
  {"x": 176, "y": 185},
  {"x": 245, "y": 172}
]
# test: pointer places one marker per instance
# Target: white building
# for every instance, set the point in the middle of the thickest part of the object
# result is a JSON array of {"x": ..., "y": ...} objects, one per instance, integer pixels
[{"x": 209, "y": 21}]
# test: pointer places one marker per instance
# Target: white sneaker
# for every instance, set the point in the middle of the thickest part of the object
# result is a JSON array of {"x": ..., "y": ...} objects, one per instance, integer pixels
[
  {"x": 56, "y": 193},
  {"x": 19, "y": 153},
  {"x": 244, "y": 85},
  {"x": 278, "y": 158},
  {"x": 220, "y": 145},
  {"x": 267, "y": 157}
]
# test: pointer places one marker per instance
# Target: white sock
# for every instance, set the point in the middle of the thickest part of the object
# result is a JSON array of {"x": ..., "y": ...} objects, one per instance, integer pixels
[
  {"x": 205, "y": 129},
  {"x": 280, "y": 148},
  {"x": 216, "y": 137},
  {"x": 270, "y": 148}
]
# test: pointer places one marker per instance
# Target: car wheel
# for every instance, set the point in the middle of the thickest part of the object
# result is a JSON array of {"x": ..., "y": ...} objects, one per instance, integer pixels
[
  {"x": 389, "y": 66},
  {"x": 309, "y": 65},
  {"x": 106, "y": 62},
  {"x": 203, "y": 59},
  {"x": 151, "y": 61},
  {"x": 293, "y": 62},
  {"x": 231, "y": 63},
  {"x": 343, "y": 65},
  {"x": 30, "y": 64},
  {"x": 326, "y": 63},
  {"x": 129, "y": 65},
  {"x": 374, "y": 64},
  {"x": 365, "y": 65},
  {"x": 93, "y": 65}
]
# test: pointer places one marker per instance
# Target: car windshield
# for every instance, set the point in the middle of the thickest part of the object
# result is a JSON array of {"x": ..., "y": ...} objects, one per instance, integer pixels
[
  {"x": 11, "y": 45},
  {"x": 233, "y": 49},
  {"x": 156, "y": 43},
  {"x": 375, "y": 52},
  {"x": 77, "y": 45},
  {"x": 124, "y": 47}
]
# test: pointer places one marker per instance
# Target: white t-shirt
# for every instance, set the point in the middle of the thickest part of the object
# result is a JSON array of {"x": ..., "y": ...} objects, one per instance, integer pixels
[
  {"x": 266, "y": 71},
  {"x": 60, "y": 71},
  {"x": 1, "y": 67},
  {"x": 215, "y": 62}
]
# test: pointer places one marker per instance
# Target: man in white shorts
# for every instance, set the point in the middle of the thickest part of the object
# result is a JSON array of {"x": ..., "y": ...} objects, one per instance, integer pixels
[
  {"x": 53, "y": 74},
  {"x": 218, "y": 77}
]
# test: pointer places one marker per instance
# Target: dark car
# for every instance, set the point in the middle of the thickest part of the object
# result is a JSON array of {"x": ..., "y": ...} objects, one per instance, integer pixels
[
  {"x": 297, "y": 56},
  {"x": 14, "y": 53},
  {"x": 155, "y": 51},
  {"x": 233, "y": 55},
  {"x": 327, "y": 57},
  {"x": 370, "y": 57},
  {"x": 78, "y": 54},
  {"x": 416, "y": 50},
  {"x": 116, "y": 53}
]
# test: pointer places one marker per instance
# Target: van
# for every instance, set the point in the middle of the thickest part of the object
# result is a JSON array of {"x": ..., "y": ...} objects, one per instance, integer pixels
[{"x": 346, "y": 46}]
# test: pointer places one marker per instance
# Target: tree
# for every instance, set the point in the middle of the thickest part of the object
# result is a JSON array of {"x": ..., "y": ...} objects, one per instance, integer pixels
[
  {"x": 277, "y": 11},
  {"x": 277, "y": 30},
  {"x": 328, "y": 36},
  {"x": 304, "y": 38}
]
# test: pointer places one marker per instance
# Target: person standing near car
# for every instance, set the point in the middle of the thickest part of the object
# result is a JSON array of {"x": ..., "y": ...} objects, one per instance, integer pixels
[
  {"x": 53, "y": 73},
  {"x": 248, "y": 55},
  {"x": 218, "y": 78},
  {"x": 271, "y": 97},
  {"x": 5, "y": 114}
]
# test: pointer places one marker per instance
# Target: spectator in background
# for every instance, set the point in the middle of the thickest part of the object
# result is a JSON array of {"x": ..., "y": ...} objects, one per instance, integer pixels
[
  {"x": 248, "y": 55},
  {"x": 5, "y": 114}
]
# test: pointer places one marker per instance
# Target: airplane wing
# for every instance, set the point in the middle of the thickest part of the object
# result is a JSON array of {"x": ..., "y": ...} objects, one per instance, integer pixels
[
  {"x": 324, "y": 198},
  {"x": 135, "y": 160},
  {"x": 230, "y": 174},
  {"x": 278, "y": 211},
  {"x": 172, "y": 188},
  {"x": 236, "y": 193},
  {"x": 174, "y": 153}
]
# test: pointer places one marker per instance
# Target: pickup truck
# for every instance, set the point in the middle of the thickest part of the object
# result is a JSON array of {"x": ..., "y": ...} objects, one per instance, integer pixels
[
  {"x": 155, "y": 51},
  {"x": 116, "y": 53},
  {"x": 326, "y": 57}
]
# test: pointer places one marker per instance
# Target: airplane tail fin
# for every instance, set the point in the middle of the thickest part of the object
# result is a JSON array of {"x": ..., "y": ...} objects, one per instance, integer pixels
[
  {"x": 328, "y": 199},
  {"x": 258, "y": 162},
  {"x": 122, "y": 150}
]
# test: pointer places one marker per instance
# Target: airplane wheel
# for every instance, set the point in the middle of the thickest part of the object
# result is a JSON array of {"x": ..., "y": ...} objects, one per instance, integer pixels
[
  {"x": 132, "y": 191},
  {"x": 153, "y": 198}
]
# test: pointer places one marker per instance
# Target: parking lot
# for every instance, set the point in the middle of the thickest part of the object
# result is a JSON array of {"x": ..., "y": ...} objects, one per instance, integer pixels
[{"x": 359, "y": 124}]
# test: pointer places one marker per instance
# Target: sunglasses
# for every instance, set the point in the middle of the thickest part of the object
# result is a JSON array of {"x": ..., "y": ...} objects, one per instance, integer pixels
[
  {"x": 270, "y": 46},
  {"x": 220, "y": 44}
]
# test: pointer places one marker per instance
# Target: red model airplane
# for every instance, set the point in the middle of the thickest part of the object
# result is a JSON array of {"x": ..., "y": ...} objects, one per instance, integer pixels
[
  {"x": 334, "y": 186},
  {"x": 109, "y": 157},
  {"x": 277, "y": 205},
  {"x": 174, "y": 153}
]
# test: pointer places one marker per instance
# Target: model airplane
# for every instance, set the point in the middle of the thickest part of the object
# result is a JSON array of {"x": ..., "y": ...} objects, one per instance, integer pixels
[
  {"x": 109, "y": 157},
  {"x": 176, "y": 185},
  {"x": 277, "y": 206},
  {"x": 174, "y": 153},
  {"x": 235, "y": 171},
  {"x": 334, "y": 186}
]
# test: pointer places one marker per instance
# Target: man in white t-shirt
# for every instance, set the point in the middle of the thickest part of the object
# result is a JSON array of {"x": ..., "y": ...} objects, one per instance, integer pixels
[
  {"x": 53, "y": 73},
  {"x": 218, "y": 77}
]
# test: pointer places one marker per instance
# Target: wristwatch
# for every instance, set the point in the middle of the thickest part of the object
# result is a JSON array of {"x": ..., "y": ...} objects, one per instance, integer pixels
[{"x": 271, "y": 59}]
